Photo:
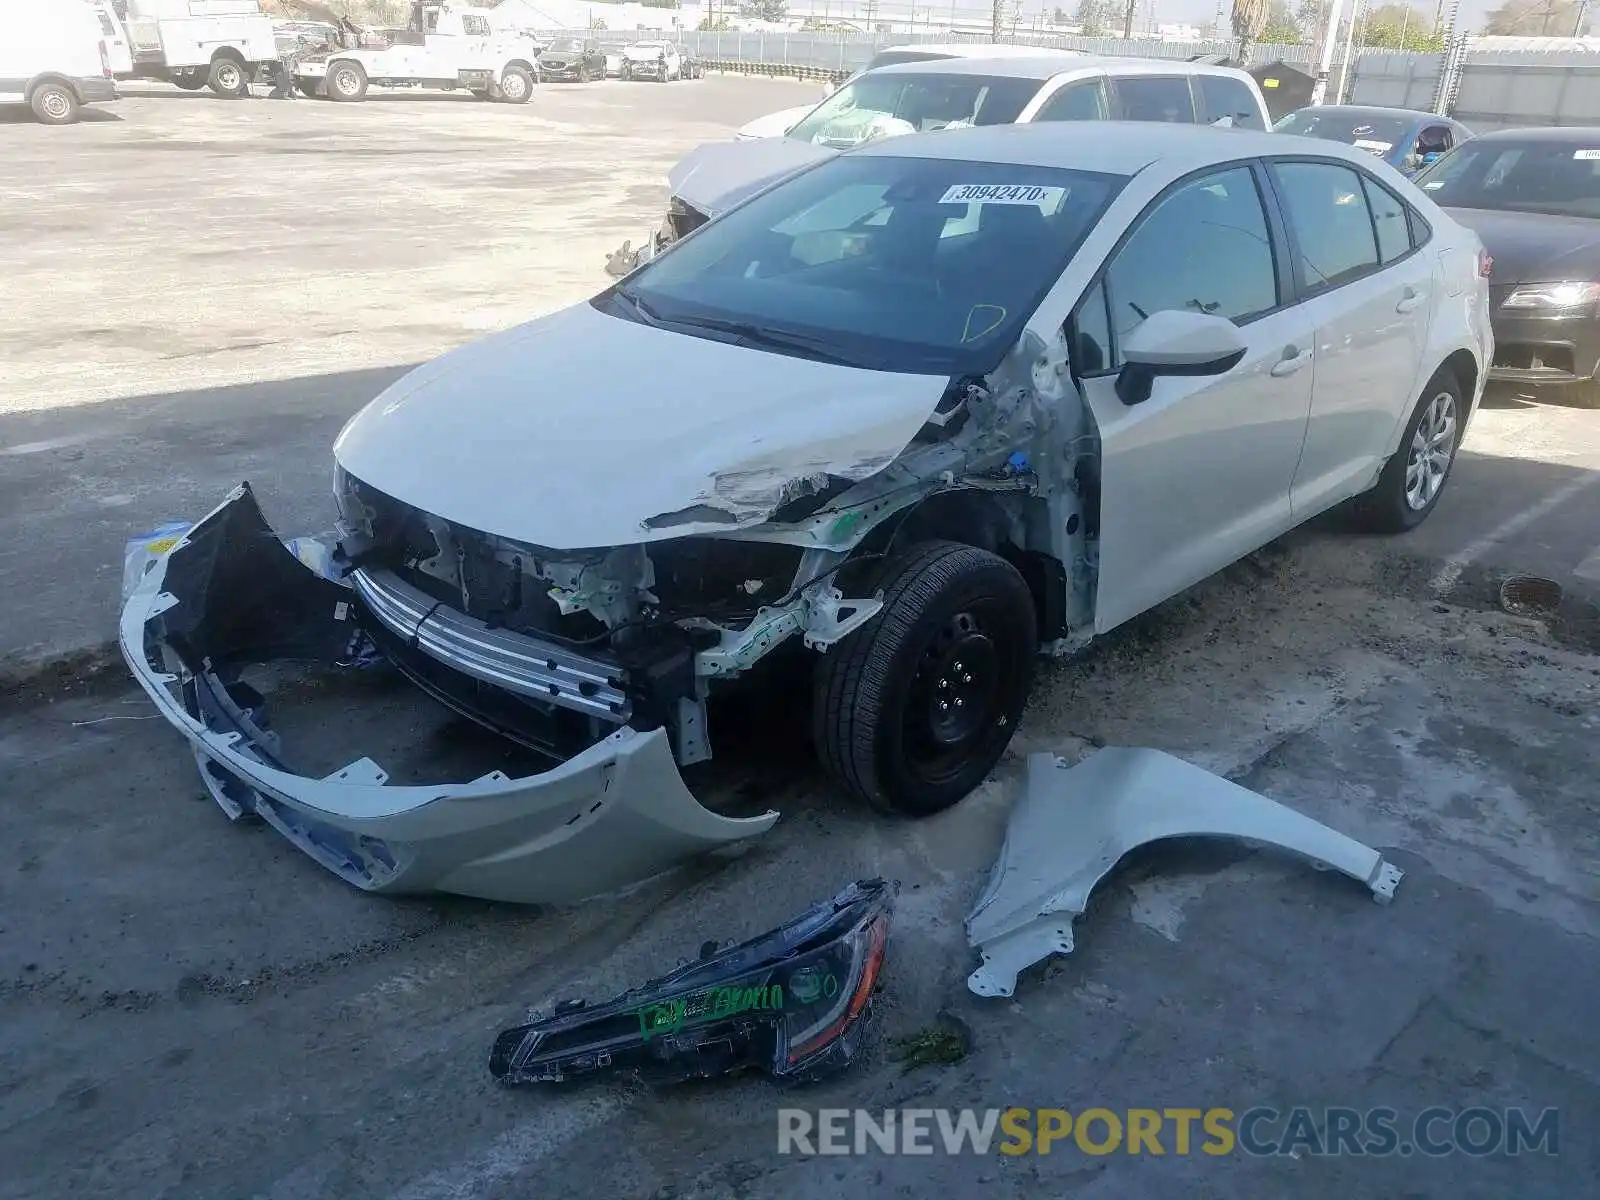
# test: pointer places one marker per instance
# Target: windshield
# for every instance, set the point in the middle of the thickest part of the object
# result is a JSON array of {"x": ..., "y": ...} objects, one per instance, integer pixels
[
  {"x": 874, "y": 106},
  {"x": 923, "y": 266},
  {"x": 564, "y": 46},
  {"x": 1361, "y": 130},
  {"x": 1559, "y": 178}
]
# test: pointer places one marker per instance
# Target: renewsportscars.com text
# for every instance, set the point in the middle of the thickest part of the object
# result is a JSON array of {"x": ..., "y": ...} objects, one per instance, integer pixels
[{"x": 1260, "y": 1131}]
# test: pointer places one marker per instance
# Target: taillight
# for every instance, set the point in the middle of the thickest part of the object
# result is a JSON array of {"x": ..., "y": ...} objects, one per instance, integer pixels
[
  {"x": 105, "y": 60},
  {"x": 1485, "y": 263}
]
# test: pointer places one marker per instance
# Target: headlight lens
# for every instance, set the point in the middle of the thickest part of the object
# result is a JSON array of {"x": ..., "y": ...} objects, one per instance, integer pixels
[{"x": 1553, "y": 297}]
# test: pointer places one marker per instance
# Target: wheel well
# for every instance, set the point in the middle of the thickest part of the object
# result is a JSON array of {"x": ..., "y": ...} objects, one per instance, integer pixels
[
  {"x": 519, "y": 62},
  {"x": 1464, "y": 367},
  {"x": 979, "y": 519},
  {"x": 39, "y": 81},
  {"x": 229, "y": 52}
]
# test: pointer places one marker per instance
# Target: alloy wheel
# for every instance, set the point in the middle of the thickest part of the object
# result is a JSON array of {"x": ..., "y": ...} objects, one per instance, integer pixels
[{"x": 1433, "y": 446}]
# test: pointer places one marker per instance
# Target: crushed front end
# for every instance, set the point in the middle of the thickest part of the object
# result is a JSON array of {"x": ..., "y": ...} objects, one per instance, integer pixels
[
  {"x": 611, "y": 810},
  {"x": 795, "y": 1002}
]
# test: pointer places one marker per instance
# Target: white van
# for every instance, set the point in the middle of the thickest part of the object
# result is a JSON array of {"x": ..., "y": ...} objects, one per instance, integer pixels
[{"x": 53, "y": 58}]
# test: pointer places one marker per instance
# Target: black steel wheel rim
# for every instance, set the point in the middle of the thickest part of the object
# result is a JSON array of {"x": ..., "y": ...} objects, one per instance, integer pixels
[{"x": 953, "y": 699}]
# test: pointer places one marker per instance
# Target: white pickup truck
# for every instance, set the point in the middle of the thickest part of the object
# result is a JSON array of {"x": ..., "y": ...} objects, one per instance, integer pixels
[
  {"x": 445, "y": 46},
  {"x": 193, "y": 43}
]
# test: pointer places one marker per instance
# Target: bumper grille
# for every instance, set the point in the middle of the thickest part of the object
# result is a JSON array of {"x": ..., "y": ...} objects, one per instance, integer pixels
[{"x": 524, "y": 665}]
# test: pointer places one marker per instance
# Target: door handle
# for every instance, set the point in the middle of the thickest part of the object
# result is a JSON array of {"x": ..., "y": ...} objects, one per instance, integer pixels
[
  {"x": 1409, "y": 300},
  {"x": 1293, "y": 359}
]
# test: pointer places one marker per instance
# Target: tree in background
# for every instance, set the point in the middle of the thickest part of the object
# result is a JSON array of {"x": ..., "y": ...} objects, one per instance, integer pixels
[
  {"x": 1249, "y": 19},
  {"x": 1091, "y": 17},
  {"x": 1395, "y": 26},
  {"x": 1539, "y": 18},
  {"x": 1281, "y": 27}
]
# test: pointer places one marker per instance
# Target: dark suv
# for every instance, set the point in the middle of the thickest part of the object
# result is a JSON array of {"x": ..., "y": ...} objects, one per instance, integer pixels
[{"x": 574, "y": 59}]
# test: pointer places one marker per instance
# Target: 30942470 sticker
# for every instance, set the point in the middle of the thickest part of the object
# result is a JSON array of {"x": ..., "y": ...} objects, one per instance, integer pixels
[{"x": 1003, "y": 193}]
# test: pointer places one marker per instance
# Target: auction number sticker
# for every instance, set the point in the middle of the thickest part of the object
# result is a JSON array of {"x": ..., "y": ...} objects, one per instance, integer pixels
[
  {"x": 1003, "y": 193},
  {"x": 1586, "y": 155},
  {"x": 1373, "y": 146}
]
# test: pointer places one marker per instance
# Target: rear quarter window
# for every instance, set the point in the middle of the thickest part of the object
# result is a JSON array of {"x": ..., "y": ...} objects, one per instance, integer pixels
[
  {"x": 1227, "y": 97},
  {"x": 1155, "y": 98}
]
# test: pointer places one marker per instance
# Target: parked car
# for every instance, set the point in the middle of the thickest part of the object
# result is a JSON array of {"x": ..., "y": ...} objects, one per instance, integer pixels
[
  {"x": 660, "y": 61},
  {"x": 779, "y": 123},
  {"x": 54, "y": 59},
  {"x": 1533, "y": 196},
  {"x": 693, "y": 66},
  {"x": 1404, "y": 138},
  {"x": 947, "y": 94},
  {"x": 572, "y": 59},
  {"x": 915, "y": 413}
]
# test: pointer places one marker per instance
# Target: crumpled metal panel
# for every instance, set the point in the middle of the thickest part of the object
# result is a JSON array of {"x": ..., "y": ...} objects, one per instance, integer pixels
[{"x": 1072, "y": 824}]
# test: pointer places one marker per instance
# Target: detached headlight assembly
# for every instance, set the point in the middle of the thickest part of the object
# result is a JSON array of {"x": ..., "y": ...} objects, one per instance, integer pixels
[
  {"x": 1553, "y": 299},
  {"x": 795, "y": 1002}
]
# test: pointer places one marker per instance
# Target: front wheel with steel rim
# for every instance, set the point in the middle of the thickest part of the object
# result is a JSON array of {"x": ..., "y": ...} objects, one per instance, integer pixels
[
  {"x": 229, "y": 78},
  {"x": 54, "y": 104},
  {"x": 914, "y": 709},
  {"x": 1414, "y": 478},
  {"x": 347, "y": 82},
  {"x": 516, "y": 86}
]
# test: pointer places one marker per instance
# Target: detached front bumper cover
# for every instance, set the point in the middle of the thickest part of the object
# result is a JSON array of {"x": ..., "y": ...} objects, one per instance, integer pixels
[
  {"x": 229, "y": 593},
  {"x": 795, "y": 1002}
]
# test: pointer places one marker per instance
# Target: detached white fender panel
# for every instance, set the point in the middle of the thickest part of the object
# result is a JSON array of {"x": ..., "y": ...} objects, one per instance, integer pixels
[{"x": 1072, "y": 824}]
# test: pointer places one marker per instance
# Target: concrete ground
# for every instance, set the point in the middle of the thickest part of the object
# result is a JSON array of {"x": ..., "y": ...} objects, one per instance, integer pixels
[{"x": 189, "y": 1008}]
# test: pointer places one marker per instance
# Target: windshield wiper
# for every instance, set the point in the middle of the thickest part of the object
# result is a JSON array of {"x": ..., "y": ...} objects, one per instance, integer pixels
[
  {"x": 751, "y": 334},
  {"x": 641, "y": 310}
]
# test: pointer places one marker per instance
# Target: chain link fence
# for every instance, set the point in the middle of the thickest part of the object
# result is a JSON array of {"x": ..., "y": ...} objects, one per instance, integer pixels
[{"x": 1488, "y": 89}]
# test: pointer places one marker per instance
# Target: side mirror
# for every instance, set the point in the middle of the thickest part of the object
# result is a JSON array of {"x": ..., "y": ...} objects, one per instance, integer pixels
[{"x": 1173, "y": 342}]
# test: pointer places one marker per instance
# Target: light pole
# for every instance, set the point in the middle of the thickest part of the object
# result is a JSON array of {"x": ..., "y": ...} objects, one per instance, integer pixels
[{"x": 1330, "y": 39}]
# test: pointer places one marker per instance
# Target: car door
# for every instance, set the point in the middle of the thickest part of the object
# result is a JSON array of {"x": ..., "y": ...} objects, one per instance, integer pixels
[
  {"x": 1370, "y": 295},
  {"x": 1197, "y": 475}
]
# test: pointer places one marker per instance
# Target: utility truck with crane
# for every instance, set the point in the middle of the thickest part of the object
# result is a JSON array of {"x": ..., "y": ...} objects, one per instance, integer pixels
[
  {"x": 194, "y": 43},
  {"x": 445, "y": 46}
]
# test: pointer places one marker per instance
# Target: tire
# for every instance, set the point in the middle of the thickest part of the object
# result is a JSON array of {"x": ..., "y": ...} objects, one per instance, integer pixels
[
  {"x": 1415, "y": 477},
  {"x": 516, "y": 86},
  {"x": 229, "y": 78},
  {"x": 1583, "y": 395},
  {"x": 54, "y": 104},
  {"x": 879, "y": 730},
  {"x": 346, "y": 82},
  {"x": 308, "y": 90},
  {"x": 189, "y": 80}
]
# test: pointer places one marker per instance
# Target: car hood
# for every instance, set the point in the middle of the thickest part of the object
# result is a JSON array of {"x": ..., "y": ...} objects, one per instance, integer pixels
[
  {"x": 775, "y": 124},
  {"x": 716, "y": 176},
  {"x": 1535, "y": 247},
  {"x": 582, "y": 430}
]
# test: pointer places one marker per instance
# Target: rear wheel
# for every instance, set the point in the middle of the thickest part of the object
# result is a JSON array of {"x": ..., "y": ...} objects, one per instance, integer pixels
[
  {"x": 306, "y": 89},
  {"x": 229, "y": 78},
  {"x": 914, "y": 709},
  {"x": 347, "y": 82},
  {"x": 189, "y": 79},
  {"x": 1413, "y": 479},
  {"x": 54, "y": 104},
  {"x": 1584, "y": 395}
]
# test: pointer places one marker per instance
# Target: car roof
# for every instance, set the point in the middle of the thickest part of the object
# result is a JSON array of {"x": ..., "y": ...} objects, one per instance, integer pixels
[
  {"x": 1378, "y": 110},
  {"x": 1107, "y": 147},
  {"x": 980, "y": 50},
  {"x": 1042, "y": 67},
  {"x": 1559, "y": 134}
]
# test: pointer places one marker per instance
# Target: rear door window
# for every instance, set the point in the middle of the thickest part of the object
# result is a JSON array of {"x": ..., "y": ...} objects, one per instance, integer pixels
[
  {"x": 1225, "y": 96},
  {"x": 1085, "y": 101},
  {"x": 1155, "y": 98},
  {"x": 1332, "y": 225}
]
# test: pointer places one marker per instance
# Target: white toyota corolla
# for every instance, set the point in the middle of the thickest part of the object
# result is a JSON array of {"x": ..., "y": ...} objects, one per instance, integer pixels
[{"x": 921, "y": 411}]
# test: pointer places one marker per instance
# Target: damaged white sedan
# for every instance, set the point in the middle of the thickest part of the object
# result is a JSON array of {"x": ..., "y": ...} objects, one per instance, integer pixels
[{"x": 919, "y": 412}]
